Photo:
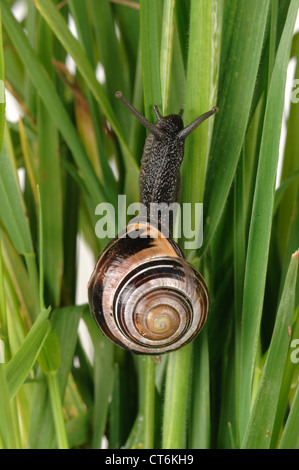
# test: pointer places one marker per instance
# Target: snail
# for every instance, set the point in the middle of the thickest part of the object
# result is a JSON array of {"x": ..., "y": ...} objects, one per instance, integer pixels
[{"x": 143, "y": 294}]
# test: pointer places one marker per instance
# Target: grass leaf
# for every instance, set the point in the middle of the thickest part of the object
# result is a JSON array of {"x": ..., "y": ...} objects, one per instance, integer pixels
[
  {"x": 259, "y": 430},
  {"x": 18, "y": 368},
  {"x": 236, "y": 78},
  {"x": 261, "y": 218}
]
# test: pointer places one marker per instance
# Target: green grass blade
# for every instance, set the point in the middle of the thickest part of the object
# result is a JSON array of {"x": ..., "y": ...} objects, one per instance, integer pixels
[
  {"x": 19, "y": 277},
  {"x": 290, "y": 165},
  {"x": 116, "y": 70},
  {"x": 147, "y": 398},
  {"x": 290, "y": 437},
  {"x": 50, "y": 184},
  {"x": 200, "y": 420},
  {"x": 65, "y": 322},
  {"x": 261, "y": 219},
  {"x": 2, "y": 92},
  {"x": 13, "y": 212},
  {"x": 72, "y": 46},
  {"x": 259, "y": 430},
  {"x": 176, "y": 392},
  {"x": 166, "y": 52},
  {"x": 287, "y": 386},
  {"x": 57, "y": 411},
  {"x": 18, "y": 368},
  {"x": 45, "y": 89},
  {"x": 150, "y": 56},
  {"x": 7, "y": 431},
  {"x": 201, "y": 95},
  {"x": 103, "y": 378},
  {"x": 182, "y": 13},
  {"x": 237, "y": 79},
  {"x": 79, "y": 11}
]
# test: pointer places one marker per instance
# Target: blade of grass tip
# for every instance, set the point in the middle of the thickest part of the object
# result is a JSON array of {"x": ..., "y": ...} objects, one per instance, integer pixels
[
  {"x": 259, "y": 430},
  {"x": 150, "y": 53},
  {"x": 236, "y": 86},
  {"x": 2, "y": 87},
  {"x": 166, "y": 52},
  {"x": 261, "y": 219}
]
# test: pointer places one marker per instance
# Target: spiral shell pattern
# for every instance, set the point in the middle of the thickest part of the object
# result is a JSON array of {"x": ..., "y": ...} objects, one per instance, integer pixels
[{"x": 144, "y": 295}]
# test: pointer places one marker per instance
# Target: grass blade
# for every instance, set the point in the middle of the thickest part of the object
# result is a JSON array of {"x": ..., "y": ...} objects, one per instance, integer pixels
[
  {"x": 237, "y": 79},
  {"x": 7, "y": 431},
  {"x": 45, "y": 89},
  {"x": 261, "y": 219},
  {"x": 18, "y": 368},
  {"x": 259, "y": 430},
  {"x": 290, "y": 165},
  {"x": 289, "y": 438},
  {"x": 150, "y": 56},
  {"x": 64, "y": 321},
  {"x": 103, "y": 378},
  {"x": 50, "y": 183},
  {"x": 2, "y": 93},
  {"x": 72, "y": 46},
  {"x": 12, "y": 207},
  {"x": 201, "y": 96},
  {"x": 176, "y": 392},
  {"x": 166, "y": 52},
  {"x": 200, "y": 421}
]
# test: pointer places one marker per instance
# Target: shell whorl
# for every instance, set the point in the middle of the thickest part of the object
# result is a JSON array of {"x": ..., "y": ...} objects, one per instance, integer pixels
[{"x": 144, "y": 301}]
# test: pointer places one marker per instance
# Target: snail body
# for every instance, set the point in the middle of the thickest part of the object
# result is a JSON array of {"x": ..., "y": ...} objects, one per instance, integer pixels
[{"x": 143, "y": 294}]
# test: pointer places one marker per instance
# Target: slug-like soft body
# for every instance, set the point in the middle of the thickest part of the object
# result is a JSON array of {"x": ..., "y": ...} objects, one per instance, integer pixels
[{"x": 143, "y": 293}]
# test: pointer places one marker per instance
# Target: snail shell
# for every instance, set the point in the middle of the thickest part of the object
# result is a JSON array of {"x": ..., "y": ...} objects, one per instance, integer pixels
[{"x": 144, "y": 295}]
